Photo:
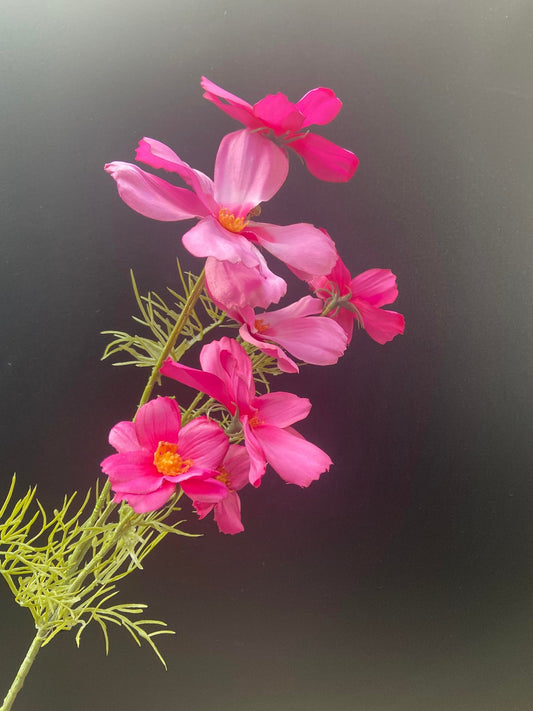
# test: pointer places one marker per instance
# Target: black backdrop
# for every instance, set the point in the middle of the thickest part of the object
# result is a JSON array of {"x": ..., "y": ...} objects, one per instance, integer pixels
[{"x": 402, "y": 579}]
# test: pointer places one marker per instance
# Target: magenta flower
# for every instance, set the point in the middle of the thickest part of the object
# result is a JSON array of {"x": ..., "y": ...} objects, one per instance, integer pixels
[
  {"x": 233, "y": 473},
  {"x": 360, "y": 299},
  {"x": 299, "y": 329},
  {"x": 249, "y": 170},
  {"x": 265, "y": 420},
  {"x": 289, "y": 122},
  {"x": 155, "y": 454}
]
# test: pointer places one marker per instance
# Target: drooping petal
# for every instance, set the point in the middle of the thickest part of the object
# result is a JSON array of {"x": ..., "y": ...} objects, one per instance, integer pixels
[
  {"x": 209, "y": 239},
  {"x": 229, "y": 103},
  {"x": 158, "y": 155},
  {"x": 124, "y": 438},
  {"x": 278, "y": 113},
  {"x": 197, "y": 379},
  {"x": 381, "y": 325},
  {"x": 207, "y": 491},
  {"x": 281, "y": 409},
  {"x": 237, "y": 465},
  {"x": 375, "y": 286},
  {"x": 296, "y": 460},
  {"x": 228, "y": 514},
  {"x": 306, "y": 306},
  {"x": 302, "y": 246},
  {"x": 284, "y": 362},
  {"x": 255, "y": 451},
  {"x": 319, "y": 106},
  {"x": 143, "y": 503},
  {"x": 233, "y": 285},
  {"x": 158, "y": 421},
  {"x": 228, "y": 360},
  {"x": 153, "y": 197},
  {"x": 324, "y": 159},
  {"x": 249, "y": 169},
  {"x": 203, "y": 441}
]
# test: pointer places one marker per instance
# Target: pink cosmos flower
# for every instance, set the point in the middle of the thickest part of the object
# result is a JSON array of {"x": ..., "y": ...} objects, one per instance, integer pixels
[
  {"x": 298, "y": 328},
  {"x": 234, "y": 474},
  {"x": 289, "y": 122},
  {"x": 155, "y": 454},
  {"x": 234, "y": 286},
  {"x": 265, "y": 420},
  {"x": 360, "y": 298},
  {"x": 249, "y": 170}
]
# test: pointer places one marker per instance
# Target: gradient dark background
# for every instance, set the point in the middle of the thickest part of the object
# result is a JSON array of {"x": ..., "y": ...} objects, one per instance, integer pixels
[{"x": 402, "y": 580}]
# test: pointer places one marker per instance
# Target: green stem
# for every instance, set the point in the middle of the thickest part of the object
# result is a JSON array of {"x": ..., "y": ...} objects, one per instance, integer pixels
[
  {"x": 97, "y": 514},
  {"x": 22, "y": 673}
]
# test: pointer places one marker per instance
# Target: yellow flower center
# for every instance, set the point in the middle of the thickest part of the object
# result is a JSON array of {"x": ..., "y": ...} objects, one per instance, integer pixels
[
  {"x": 260, "y": 326},
  {"x": 168, "y": 462},
  {"x": 228, "y": 220},
  {"x": 255, "y": 421},
  {"x": 224, "y": 477}
]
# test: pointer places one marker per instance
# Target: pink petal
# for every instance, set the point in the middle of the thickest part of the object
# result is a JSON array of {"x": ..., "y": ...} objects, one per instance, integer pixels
[
  {"x": 206, "y": 491},
  {"x": 380, "y": 325},
  {"x": 237, "y": 465},
  {"x": 235, "y": 107},
  {"x": 255, "y": 451},
  {"x": 228, "y": 360},
  {"x": 301, "y": 246},
  {"x": 319, "y": 106},
  {"x": 127, "y": 466},
  {"x": 203, "y": 441},
  {"x": 281, "y": 409},
  {"x": 296, "y": 460},
  {"x": 375, "y": 286},
  {"x": 284, "y": 363},
  {"x": 325, "y": 160},
  {"x": 158, "y": 421},
  {"x": 315, "y": 339},
  {"x": 228, "y": 514},
  {"x": 234, "y": 286},
  {"x": 153, "y": 197},
  {"x": 249, "y": 169},
  {"x": 142, "y": 503},
  {"x": 339, "y": 276},
  {"x": 307, "y": 306},
  {"x": 124, "y": 438},
  {"x": 278, "y": 113},
  {"x": 204, "y": 382},
  {"x": 209, "y": 239}
]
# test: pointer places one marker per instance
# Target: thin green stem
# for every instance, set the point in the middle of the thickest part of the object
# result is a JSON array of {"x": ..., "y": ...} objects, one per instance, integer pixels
[{"x": 22, "y": 673}]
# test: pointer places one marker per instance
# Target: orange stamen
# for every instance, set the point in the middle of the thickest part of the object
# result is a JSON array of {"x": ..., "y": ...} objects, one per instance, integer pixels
[
  {"x": 168, "y": 462},
  {"x": 260, "y": 326},
  {"x": 228, "y": 220}
]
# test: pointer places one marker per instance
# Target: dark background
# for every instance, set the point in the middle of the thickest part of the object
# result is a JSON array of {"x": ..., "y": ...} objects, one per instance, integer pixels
[{"x": 402, "y": 579}]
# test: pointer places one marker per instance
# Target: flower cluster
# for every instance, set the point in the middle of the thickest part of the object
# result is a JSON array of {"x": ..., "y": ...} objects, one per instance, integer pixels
[{"x": 228, "y": 440}]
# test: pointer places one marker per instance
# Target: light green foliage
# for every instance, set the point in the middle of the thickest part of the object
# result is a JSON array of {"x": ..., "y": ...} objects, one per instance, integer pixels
[{"x": 64, "y": 569}]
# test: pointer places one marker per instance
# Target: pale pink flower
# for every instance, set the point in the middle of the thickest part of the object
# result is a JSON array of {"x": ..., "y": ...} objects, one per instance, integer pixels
[
  {"x": 155, "y": 454},
  {"x": 265, "y": 420},
  {"x": 289, "y": 123},
  {"x": 233, "y": 473},
  {"x": 360, "y": 299},
  {"x": 249, "y": 170},
  {"x": 298, "y": 329},
  {"x": 234, "y": 286}
]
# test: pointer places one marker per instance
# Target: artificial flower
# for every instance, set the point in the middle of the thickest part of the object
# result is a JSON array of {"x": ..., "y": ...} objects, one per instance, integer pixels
[
  {"x": 265, "y": 420},
  {"x": 360, "y": 298},
  {"x": 289, "y": 123},
  {"x": 233, "y": 473},
  {"x": 249, "y": 170},
  {"x": 155, "y": 454}
]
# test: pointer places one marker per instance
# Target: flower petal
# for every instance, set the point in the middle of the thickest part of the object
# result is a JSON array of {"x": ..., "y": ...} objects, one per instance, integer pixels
[
  {"x": 158, "y": 421},
  {"x": 302, "y": 246},
  {"x": 381, "y": 325},
  {"x": 237, "y": 465},
  {"x": 375, "y": 286},
  {"x": 278, "y": 113},
  {"x": 233, "y": 286},
  {"x": 229, "y": 361},
  {"x": 207, "y": 491},
  {"x": 158, "y": 155},
  {"x": 142, "y": 503},
  {"x": 203, "y": 441},
  {"x": 249, "y": 169},
  {"x": 314, "y": 339},
  {"x": 255, "y": 451},
  {"x": 209, "y": 239},
  {"x": 296, "y": 460},
  {"x": 281, "y": 409},
  {"x": 124, "y": 438},
  {"x": 153, "y": 197},
  {"x": 319, "y": 106},
  {"x": 198, "y": 379},
  {"x": 324, "y": 159},
  {"x": 228, "y": 514},
  {"x": 229, "y": 103},
  {"x": 284, "y": 363}
]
